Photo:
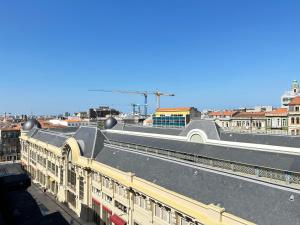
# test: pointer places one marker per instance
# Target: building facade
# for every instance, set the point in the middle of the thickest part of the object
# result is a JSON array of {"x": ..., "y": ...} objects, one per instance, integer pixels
[
  {"x": 288, "y": 96},
  {"x": 223, "y": 118},
  {"x": 249, "y": 121},
  {"x": 174, "y": 117},
  {"x": 294, "y": 116},
  {"x": 9, "y": 144},
  {"x": 277, "y": 121},
  {"x": 78, "y": 175}
]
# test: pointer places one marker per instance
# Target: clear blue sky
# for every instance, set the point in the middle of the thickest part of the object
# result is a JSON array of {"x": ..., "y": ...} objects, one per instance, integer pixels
[{"x": 211, "y": 54}]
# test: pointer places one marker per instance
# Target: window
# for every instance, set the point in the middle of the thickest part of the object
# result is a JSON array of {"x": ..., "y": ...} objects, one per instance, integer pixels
[
  {"x": 61, "y": 176},
  {"x": 297, "y": 108},
  {"x": 283, "y": 122},
  {"x": 163, "y": 213},
  {"x": 292, "y": 120},
  {"x": 81, "y": 188},
  {"x": 297, "y": 120},
  {"x": 120, "y": 206},
  {"x": 71, "y": 198},
  {"x": 166, "y": 215},
  {"x": 157, "y": 211},
  {"x": 106, "y": 182},
  {"x": 96, "y": 191},
  {"x": 106, "y": 198},
  {"x": 183, "y": 221},
  {"x": 140, "y": 201}
]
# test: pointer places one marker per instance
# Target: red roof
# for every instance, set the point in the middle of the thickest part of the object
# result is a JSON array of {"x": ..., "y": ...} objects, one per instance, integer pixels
[
  {"x": 295, "y": 101},
  {"x": 278, "y": 112},
  {"x": 250, "y": 114},
  {"x": 223, "y": 113}
]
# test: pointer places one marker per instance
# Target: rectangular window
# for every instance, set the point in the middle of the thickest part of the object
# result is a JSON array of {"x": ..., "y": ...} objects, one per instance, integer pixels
[
  {"x": 157, "y": 211},
  {"x": 120, "y": 206},
  {"x": 184, "y": 222},
  {"x": 166, "y": 215},
  {"x": 81, "y": 188},
  {"x": 61, "y": 176},
  {"x": 71, "y": 198}
]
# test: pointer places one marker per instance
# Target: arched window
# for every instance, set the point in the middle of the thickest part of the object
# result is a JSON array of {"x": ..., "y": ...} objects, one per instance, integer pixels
[{"x": 71, "y": 169}]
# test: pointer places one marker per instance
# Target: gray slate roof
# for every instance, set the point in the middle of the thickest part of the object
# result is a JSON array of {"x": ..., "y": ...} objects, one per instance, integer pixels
[
  {"x": 252, "y": 201},
  {"x": 208, "y": 126},
  {"x": 144, "y": 129},
  {"x": 90, "y": 140},
  {"x": 53, "y": 138},
  {"x": 268, "y": 139},
  {"x": 251, "y": 157}
]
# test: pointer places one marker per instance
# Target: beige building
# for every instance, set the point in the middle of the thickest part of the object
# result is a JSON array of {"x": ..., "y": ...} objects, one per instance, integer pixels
[
  {"x": 277, "y": 121},
  {"x": 249, "y": 121},
  {"x": 223, "y": 118},
  {"x": 294, "y": 116},
  {"x": 151, "y": 176}
]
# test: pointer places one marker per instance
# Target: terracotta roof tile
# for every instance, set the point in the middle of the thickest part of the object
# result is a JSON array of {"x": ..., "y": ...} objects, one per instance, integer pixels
[
  {"x": 295, "y": 101},
  {"x": 223, "y": 113},
  {"x": 278, "y": 112},
  {"x": 250, "y": 114}
]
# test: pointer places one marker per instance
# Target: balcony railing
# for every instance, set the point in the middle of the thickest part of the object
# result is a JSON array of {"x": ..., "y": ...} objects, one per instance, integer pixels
[{"x": 272, "y": 174}]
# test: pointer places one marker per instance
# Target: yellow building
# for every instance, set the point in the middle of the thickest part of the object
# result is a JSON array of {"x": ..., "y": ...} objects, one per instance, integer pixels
[
  {"x": 121, "y": 176},
  {"x": 174, "y": 117}
]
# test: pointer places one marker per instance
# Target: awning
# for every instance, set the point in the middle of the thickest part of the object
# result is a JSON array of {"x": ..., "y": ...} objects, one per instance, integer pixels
[
  {"x": 96, "y": 201},
  {"x": 117, "y": 220},
  {"x": 106, "y": 209}
]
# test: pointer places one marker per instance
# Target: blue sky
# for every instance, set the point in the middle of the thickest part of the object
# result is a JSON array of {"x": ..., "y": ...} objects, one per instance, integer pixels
[{"x": 211, "y": 54}]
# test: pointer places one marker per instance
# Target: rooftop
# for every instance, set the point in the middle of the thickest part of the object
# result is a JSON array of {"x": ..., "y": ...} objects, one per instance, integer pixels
[
  {"x": 278, "y": 112},
  {"x": 178, "y": 109},
  {"x": 249, "y": 114},
  {"x": 295, "y": 101}
]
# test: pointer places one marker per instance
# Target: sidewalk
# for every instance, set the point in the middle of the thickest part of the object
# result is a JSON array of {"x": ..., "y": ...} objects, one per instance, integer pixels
[{"x": 48, "y": 204}]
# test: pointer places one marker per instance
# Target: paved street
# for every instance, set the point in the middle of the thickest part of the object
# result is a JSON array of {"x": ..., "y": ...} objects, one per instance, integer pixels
[{"x": 48, "y": 204}]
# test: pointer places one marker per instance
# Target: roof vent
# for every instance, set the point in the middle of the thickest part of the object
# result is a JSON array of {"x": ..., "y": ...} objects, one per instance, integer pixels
[
  {"x": 292, "y": 198},
  {"x": 195, "y": 173}
]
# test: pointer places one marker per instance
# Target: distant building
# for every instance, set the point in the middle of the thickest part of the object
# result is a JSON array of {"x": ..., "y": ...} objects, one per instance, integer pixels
[
  {"x": 288, "y": 96},
  {"x": 277, "y": 120},
  {"x": 9, "y": 144},
  {"x": 294, "y": 116},
  {"x": 174, "y": 117},
  {"x": 71, "y": 122},
  {"x": 249, "y": 121},
  {"x": 222, "y": 118},
  {"x": 81, "y": 115},
  {"x": 67, "y": 114},
  {"x": 102, "y": 112}
]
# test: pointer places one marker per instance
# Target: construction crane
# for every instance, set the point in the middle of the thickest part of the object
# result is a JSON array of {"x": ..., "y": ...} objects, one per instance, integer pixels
[
  {"x": 134, "y": 108},
  {"x": 158, "y": 94},
  {"x": 144, "y": 93}
]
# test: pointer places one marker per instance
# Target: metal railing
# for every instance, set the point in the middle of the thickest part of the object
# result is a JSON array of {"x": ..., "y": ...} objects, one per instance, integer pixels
[{"x": 272, "y": 174}]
